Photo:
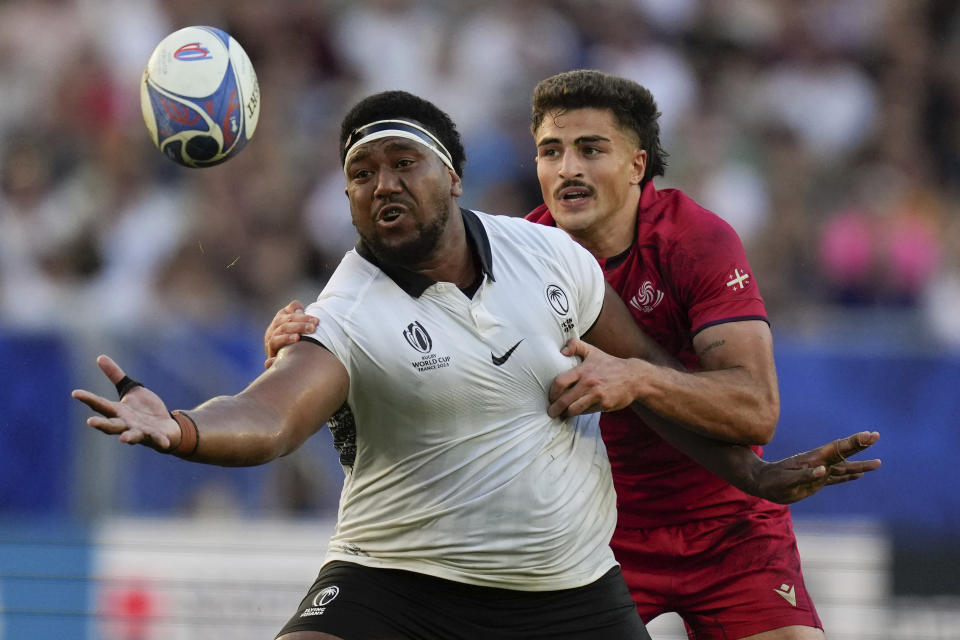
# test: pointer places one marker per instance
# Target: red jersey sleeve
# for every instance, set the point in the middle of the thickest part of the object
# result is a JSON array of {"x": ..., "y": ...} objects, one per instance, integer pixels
[{"x": 709, "y": 269}]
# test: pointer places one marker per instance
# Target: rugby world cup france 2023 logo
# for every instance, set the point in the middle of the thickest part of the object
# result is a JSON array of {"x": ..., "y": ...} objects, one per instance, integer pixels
[{"x": 418, "y": 338}]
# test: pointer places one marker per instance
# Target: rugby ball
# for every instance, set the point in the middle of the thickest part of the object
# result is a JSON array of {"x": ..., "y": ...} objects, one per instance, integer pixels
[{"x": 199, "y": 97}]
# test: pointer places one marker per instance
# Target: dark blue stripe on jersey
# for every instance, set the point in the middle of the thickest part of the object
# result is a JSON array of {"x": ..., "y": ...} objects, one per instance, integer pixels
[{"x": 726, "y": 320}]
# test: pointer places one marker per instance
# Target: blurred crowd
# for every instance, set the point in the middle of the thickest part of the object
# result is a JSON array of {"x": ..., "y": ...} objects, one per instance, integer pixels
[{"x": 827, "y": 132}]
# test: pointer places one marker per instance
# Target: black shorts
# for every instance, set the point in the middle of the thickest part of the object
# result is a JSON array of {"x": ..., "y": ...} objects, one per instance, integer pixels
[{"x": 361, "y": 603}]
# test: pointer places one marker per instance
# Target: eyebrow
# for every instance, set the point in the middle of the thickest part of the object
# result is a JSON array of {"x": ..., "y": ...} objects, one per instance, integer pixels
[
  {"x": 396, "y": 145},
  {"x": 579, "y": 141}
]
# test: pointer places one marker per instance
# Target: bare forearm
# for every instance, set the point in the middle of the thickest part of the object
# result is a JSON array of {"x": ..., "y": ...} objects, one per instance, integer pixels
[
  {"x": 726, "y": 405},
  {"x": 276, "y": 413},
  {"x": 734, "y": 399},
  {"x": 735, "y": 463},
  {"x": 235, "y": 431}
]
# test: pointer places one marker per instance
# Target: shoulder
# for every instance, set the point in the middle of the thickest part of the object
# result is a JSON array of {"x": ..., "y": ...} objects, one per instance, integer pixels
[
  {"x": 349, "y": 283},
  {"x": 520, "y": 234},
  {"x": 672, "y": 217}
]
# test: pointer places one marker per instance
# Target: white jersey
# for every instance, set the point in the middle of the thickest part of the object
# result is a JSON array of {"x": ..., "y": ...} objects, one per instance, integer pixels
[{"x": 453, "y": 467}]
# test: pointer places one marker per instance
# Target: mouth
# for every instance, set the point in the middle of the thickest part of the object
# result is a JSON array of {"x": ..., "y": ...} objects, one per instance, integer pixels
[
  {"x": 390, "y": 212},
  {"x": 574, "y": 193}
]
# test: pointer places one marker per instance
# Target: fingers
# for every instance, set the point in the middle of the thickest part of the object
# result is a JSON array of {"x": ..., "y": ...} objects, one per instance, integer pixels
[
  {"x": 561, "y": 384},
  {"x": 98, "y": 403},
  {"x": 854, "y": 467},
  {"x": 293, "y": 306},
  {"x": 842, "y": 479},
  {"x": 856, "y": 443},
  {"x": 110, "y": 368},
  {"x": 575, "y": 347},
  {"x": 136, "y": 436},
  {"x": 559, "y": 405},
  {"x": 287, "y": 330},
  {"x": 298, "y": 324},
  {"x": 107, "y": 425}
]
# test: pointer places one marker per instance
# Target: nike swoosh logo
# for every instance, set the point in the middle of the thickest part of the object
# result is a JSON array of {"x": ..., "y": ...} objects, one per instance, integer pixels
[{"x": 499, "y": 360}]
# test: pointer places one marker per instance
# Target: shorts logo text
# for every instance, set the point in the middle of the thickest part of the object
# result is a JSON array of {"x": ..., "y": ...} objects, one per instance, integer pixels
[{"x": 320, "y": 601}]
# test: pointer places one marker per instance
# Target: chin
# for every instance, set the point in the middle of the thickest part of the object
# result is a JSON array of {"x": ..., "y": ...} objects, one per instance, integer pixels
[{"x": 573, "y": 219}]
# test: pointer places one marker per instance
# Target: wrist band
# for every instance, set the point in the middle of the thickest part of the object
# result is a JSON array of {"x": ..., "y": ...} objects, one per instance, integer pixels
[
  {"x": 126, "y": 385},
  {"x": 189, "y": 435}
]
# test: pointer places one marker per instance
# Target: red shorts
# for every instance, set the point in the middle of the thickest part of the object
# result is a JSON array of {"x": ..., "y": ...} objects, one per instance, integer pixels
[{"x": 726, "y": 577}]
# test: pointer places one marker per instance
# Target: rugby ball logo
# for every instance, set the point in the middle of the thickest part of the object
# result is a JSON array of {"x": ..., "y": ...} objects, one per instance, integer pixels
[{"x": 418, "y": 338}]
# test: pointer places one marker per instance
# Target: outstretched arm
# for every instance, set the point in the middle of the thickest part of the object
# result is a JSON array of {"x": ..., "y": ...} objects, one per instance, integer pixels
[
  {"x": 273, "y": 416},
  {"x": 784, "y": 481}
]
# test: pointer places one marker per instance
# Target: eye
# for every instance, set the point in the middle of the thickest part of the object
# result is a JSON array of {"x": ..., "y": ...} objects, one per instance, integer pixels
[
  {"x": 404, "y": 162},
  {"x": 361, "y": 174},
  {"x": 591, "y": 151},
  {"x": 547, "y": 152}
]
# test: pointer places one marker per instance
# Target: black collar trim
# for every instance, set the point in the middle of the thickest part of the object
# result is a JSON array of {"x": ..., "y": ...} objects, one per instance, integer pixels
[{"x": 416, "y": 283}]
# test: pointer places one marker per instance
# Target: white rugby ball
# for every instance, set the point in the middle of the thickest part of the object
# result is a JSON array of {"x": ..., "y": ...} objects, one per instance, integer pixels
[{"x": 199, "y": 96}]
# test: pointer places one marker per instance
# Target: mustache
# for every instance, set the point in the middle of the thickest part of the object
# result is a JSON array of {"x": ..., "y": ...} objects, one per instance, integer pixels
[{"x": 572, "y": 183}]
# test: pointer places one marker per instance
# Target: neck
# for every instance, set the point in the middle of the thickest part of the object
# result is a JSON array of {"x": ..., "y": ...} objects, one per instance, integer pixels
[
  {"x": 612, "y": 235},
  {"x": 453, "y": 260}
]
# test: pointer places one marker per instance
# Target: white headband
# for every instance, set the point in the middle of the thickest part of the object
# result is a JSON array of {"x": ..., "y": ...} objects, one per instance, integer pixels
[{"x": 395, "y": 129}]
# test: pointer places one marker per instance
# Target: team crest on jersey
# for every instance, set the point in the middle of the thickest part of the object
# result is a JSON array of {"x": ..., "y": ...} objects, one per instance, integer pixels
[
  {"x": 738, "y": 279},
  {"x": 646, "y": 298},
  {"x": 558, "y": 300},
  {"x": 560, "y": 304},
  {"x": 417, "y": 337}
]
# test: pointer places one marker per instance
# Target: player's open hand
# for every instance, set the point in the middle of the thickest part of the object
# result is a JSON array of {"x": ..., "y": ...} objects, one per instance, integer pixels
[
  {"x": 600, "y": 382},
  {"x": 803, "y": 474},
  {"x": 140, "y": 417},
  {"x": 286, "y": 328}
]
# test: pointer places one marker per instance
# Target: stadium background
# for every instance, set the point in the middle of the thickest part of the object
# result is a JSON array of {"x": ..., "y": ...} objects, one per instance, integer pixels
[{"x": 826, "y": 131}]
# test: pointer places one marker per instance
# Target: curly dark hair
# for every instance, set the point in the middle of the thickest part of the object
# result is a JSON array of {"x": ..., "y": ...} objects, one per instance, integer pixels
[
  {"x": 390, "y": 105},
  {"x": 632, "y": 105}
]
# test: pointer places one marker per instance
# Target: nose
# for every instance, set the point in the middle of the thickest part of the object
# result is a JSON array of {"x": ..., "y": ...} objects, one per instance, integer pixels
[
  {"x": 570, "y": 166},
  {"x": 387, "y": 183}
]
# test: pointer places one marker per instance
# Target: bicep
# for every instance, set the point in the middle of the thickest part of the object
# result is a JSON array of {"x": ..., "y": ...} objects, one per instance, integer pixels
[
  {"x": 303, "y": 388},
  {"x": 616, "y": 333},
  {"x": 746, "y": 344}
]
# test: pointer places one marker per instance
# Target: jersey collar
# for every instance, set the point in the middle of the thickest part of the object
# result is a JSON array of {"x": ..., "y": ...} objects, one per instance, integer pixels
[{"x": 416, "y": 283}]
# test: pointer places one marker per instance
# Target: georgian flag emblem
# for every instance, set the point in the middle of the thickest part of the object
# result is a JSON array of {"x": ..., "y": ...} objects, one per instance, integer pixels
[{"x": 646, "y": 298}]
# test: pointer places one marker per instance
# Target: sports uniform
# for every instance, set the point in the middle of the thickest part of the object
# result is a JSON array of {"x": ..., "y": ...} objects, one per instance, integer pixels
[
  {"x": 688, "y": 541},
  {"x": 453, "y": 469}
]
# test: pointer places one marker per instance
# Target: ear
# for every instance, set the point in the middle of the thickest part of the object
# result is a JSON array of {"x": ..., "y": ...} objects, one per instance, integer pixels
[
  {"x": 456, "y": 186},
  {"x": 639, "y": 166}
]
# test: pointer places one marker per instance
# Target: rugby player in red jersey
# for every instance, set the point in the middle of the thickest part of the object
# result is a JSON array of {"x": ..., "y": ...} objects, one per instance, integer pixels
[{"x": 688, "y": 541}]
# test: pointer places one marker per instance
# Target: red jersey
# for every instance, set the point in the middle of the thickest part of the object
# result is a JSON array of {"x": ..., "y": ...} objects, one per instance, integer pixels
[{"x": 687, "y": 270}]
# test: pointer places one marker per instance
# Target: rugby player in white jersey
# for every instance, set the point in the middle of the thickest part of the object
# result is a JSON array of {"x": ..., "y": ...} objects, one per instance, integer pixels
[{"x": 467, "y": 511}]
